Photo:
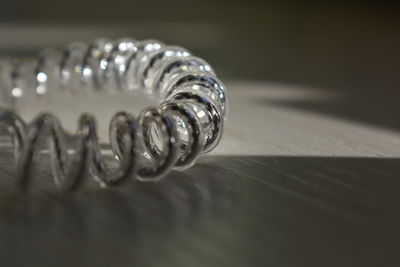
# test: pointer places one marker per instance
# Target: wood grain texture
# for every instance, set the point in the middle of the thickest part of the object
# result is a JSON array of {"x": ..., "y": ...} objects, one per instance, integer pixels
[{"x": 225, "y": 211}]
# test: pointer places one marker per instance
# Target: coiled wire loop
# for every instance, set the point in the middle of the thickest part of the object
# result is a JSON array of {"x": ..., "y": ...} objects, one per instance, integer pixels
[{"x": 187, "y": 123}]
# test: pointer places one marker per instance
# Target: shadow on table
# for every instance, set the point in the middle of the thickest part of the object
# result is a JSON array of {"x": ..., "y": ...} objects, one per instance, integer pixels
[{"x": 225, "y": 211}]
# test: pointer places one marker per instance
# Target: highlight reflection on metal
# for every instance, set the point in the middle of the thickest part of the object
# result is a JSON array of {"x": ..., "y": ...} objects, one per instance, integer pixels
[{"x": 187, "y": 123}]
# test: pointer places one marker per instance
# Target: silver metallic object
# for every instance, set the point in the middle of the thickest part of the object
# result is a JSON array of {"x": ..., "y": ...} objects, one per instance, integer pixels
[{"x": 188, "y": 121}]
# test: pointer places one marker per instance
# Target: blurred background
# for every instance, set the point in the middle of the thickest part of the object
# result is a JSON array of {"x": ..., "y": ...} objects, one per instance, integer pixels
[
  {"x": 349, "y": 47},
  {"x": 330, "y": 43}
]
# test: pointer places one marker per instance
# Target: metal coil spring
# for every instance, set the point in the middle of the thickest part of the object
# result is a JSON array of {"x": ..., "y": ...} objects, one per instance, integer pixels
[{"x": 187, "y": 123}]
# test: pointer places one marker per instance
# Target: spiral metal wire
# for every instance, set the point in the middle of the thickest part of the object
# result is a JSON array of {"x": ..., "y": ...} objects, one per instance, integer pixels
[{"x": 187, "y": 122}]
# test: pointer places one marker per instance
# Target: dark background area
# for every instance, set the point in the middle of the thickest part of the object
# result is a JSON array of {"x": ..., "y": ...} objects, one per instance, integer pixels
[{"x": 332, "y": 44}]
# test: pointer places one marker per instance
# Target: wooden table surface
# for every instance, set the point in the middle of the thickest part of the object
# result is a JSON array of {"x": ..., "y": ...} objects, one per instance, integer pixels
[{"x": 302, "y": 177}]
